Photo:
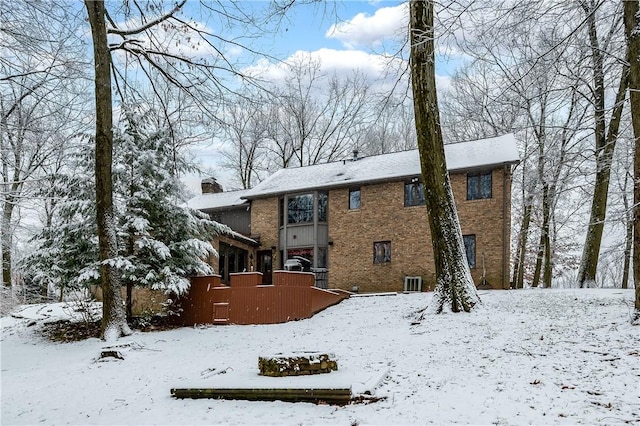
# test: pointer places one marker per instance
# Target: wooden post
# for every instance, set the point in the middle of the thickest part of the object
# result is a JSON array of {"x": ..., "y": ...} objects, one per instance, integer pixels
[{"x": 329, "y": 396}]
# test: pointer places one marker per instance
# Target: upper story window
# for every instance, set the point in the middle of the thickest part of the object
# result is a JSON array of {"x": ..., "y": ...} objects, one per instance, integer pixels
[
  {"x": 322, "y": 206},
  {"x": 413, "y": 193},
  {"x": 354, "y": 199},
  {"x": 478, "y": 185},
  {"x": 301, "y": 208}
]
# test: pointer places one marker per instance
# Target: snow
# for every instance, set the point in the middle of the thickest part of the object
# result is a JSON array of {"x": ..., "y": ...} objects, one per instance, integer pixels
[
  {"x": 217, "y": 200},
  {"x": 484, "y": 153},
  {"x": 561, "y": 356}
]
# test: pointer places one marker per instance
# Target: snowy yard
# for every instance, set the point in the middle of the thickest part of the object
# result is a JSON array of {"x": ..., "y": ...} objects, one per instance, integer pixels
[{"x": 528, "y": 356}]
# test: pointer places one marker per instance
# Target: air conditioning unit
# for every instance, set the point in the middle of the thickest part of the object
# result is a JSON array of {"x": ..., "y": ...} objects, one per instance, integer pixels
[{"x": 412, "y": 283}]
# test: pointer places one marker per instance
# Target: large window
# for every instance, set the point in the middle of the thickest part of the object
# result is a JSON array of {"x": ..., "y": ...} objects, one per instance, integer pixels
[
  {"x": 354, "y": 199},
  {"x": 300, "y": 209},
  {"x": 479, "y": 185},
  {"x": 413, "y": 193},
  {"x": 470, "y": 249},
  {"x": 382, "y": 252}
]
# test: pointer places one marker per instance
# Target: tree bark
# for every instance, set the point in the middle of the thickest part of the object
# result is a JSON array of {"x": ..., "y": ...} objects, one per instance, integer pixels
[
  {"x": 114, "y": 324},
  {"x": 7, "y": 236},
  {"x": 605, "y": 144},
  {"x": 518, "y": 273},
  {"x": 628, "y": 239},
  {"x": 632, "y": 31},
  {"x": 455, "y": 290}
]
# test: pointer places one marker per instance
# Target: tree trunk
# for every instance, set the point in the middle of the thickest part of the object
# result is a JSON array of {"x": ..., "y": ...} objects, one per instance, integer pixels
[
  {"x": 539, "y": 259},
  {"x": 605, "y": 144},
  {"x": 518, "y": 273},
  {"x": 628, "y": 241},
  {"x": 7, "y": 237},
  {"x": 546, "y": 226},
  {"x": 455, "y": 290},
  {"x": 114, "y": 324},
  {"x": 632, "y": 30}
]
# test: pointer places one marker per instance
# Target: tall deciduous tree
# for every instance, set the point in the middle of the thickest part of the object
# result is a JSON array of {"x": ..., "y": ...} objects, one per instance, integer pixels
[
  {"x": 455, "y": 290},
  {"x": 114, "y": 321},
  {"x": 632, "y": 31},
  {"x": 605, "y": 140}
]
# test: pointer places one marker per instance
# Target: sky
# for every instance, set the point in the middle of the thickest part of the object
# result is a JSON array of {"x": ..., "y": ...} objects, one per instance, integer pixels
[{"x": 343, "y": 35}]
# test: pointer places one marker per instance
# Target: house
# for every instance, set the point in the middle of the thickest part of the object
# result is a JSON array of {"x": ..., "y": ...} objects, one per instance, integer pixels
[{"x": 364, "y": 219}]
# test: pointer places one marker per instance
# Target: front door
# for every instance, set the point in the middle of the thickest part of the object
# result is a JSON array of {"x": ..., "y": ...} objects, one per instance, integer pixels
[{"x": 265, "y": 265}]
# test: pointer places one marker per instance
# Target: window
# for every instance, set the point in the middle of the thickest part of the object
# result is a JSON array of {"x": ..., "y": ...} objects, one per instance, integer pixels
[
  {"x": 382, "y": 252},
  {"x": 322, "y": 206},
  {"x": 304, "y": 256},
  {"x": 300, "y": 209},
  {"x": 322, "y": 257},
  {"x": 413, "y": 193},
  {"x": 479, "y": 185},
  {"x": 354, "y": 199},
  {"x": 470, "y": 249},
  {"x": 230, "y": 259}
]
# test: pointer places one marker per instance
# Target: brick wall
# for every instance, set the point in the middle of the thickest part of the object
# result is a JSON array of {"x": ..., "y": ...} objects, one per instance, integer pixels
[
  {"x": 264, "y": 223},
  {"x": 383, "y": 217}
]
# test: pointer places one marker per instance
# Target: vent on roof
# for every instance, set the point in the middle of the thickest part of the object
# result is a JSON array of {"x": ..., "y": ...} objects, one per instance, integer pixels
[{"x": 355, "y": 155}]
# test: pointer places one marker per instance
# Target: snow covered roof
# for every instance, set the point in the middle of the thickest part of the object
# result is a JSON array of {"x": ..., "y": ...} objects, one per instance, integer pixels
[
  {"x": 218, "y": 200},
  {"x": 398, "y": 165}
]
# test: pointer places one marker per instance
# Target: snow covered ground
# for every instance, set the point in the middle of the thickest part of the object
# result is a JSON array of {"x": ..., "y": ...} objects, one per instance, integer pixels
[{"x": 528, "y": 356}]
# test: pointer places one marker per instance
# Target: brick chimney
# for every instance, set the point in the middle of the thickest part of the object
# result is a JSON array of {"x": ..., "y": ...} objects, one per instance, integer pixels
[{"x": 210, "y": 186}]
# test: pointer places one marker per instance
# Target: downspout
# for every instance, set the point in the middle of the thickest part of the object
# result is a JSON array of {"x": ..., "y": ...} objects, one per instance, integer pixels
[
  {"x": 285, "y": 230},
  {"x": 505, "y": 175}
]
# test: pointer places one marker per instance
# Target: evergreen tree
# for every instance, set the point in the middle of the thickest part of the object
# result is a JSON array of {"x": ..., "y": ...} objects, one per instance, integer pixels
[
  {"x": 66, "y": 258},
  {"x": 160, "y": 242}
]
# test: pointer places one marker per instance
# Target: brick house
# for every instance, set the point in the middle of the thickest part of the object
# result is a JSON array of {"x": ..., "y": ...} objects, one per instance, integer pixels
[{"x": 364, "y": 219}]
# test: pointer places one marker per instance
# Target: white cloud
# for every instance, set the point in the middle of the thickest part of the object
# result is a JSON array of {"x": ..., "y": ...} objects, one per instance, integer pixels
[
  {"x": 380, "y": 71},
  {"x": 339, "y": 62},
  {"x": 364, "y": 30}
]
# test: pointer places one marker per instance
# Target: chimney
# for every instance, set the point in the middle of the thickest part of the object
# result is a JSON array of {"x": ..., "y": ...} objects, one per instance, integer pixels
[
  {"x": 210, "y": 186},
  {"x": 355, "y": 155}
]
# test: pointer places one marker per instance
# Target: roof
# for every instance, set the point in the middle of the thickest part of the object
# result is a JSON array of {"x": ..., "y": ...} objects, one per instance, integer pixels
[
  {"x": 219, "y": 200},
  {"x": 481, "y": 153}
]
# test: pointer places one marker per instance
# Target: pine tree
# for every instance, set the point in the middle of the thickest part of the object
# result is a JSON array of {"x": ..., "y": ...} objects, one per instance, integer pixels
[
  {"x": 66, "y": 257},
  {"x": 160, "y": 242}
]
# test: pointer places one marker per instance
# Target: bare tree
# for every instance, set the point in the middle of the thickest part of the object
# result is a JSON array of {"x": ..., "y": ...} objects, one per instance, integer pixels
[
  {"x": 632, "y": 31},
  {"x": 392, "y": 128},
  {"x": 114, "y": 320},
  {"x": 314, "y": 114},
  {"x": 41, "y": 100},
  {"x": 605, "y": 135},
  {"x": 246, "y": 129},
  {"x": 455, "y": 290}
]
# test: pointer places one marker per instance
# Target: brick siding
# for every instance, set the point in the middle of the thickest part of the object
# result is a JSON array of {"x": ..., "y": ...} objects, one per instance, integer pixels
[{"x": 383, "y": 217}]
